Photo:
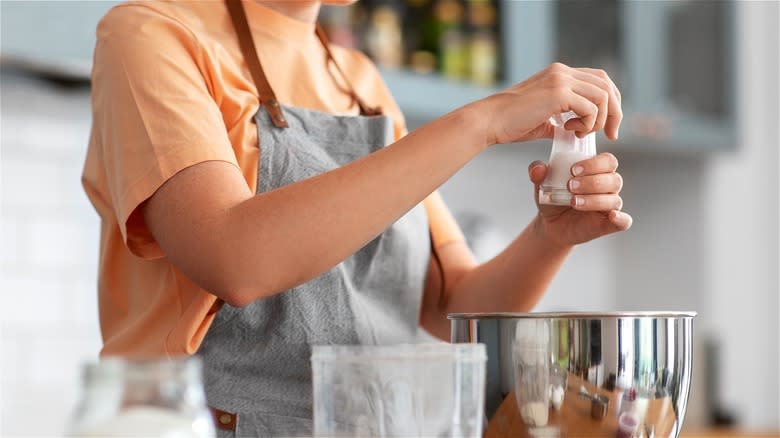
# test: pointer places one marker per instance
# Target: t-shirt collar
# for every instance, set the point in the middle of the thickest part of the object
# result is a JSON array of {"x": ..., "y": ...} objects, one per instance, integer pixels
[{"x": 269, "y": 21}]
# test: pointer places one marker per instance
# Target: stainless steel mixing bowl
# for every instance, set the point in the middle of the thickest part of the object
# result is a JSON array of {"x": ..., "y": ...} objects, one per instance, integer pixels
[{"x": 638, "y": 364}]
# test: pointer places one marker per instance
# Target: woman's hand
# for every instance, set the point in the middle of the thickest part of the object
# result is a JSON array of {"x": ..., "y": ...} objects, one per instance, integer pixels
[
  {"x": 595, "y": 206},
  {"x": 522, "y": 111}
]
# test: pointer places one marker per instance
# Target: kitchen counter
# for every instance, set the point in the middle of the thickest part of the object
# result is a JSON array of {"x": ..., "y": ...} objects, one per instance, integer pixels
[
  {"x": 574, "y": 419},
  {"x": 730, "y": 433}
]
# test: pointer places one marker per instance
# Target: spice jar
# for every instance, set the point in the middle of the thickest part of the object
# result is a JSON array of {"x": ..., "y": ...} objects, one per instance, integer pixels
[
  {"x": 162, "y": 398},
  {"x": 567, "y": 150}
]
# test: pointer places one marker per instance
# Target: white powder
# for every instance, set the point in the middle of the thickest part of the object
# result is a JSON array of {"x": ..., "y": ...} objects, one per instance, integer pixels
[
  {"x": 556, "y": 396},
  {"x": 567, "y": 149},
  {"x": 535, "y": 413},
  {"x": 559, "y": 168},
  {"x": 147, "y": 422}
]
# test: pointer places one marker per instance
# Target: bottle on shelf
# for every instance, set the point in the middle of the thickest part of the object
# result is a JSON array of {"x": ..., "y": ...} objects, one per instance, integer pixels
[
  {"x": 452, "y": 38},
  {"x": 455, "y": 38},
  {"x": 483, "y": 45},
  {"x": 384, "y": 42},
  {"x": 421, "y": 39}
]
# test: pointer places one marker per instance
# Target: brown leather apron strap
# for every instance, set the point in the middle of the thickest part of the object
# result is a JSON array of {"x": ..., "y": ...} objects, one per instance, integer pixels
[
  {"x": 248, "y": 49},
  {"x": 264, "y": 90},
  {"x": 365, "y": 110}
]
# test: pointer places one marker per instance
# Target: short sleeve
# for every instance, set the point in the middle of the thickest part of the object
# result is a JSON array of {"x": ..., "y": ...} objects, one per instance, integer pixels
[{"x": 153, "y": 113}]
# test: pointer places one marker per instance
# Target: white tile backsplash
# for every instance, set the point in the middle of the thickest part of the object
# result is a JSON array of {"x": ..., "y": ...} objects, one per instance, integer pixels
[
  {"x": 38, "y": 297},
  {"x": 57, "y": 243},
  {"x": 30, "y": 185},
  {"x": 81, "y": 304},
  {"x": 9, "y": 244},
  {"x": 49, "y": 264}
]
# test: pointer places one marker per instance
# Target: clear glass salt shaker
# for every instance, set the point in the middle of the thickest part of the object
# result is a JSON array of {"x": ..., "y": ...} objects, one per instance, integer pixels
[
  {"x": 129, "y": 398},
  {"x": 567, "y": 149},
  {"x": 532, "y": 362}
]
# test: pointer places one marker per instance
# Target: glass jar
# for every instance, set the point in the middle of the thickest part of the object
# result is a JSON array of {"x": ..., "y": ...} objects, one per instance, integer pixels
[
  {"x": 531, "y": 357},
  {"x": 567, "y": 150},
  {"x": 419, "y": 390},
  {"x": 161, "y": 398}
]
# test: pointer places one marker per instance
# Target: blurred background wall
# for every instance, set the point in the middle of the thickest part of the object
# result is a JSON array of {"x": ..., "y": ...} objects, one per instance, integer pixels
[{"x": 698, "y": 151}]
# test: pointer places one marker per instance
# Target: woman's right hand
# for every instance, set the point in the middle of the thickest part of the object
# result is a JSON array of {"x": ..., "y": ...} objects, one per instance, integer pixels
[{"x": 522, "y": 112}]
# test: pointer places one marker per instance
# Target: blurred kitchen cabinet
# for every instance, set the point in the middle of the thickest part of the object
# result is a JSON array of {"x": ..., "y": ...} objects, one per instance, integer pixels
[
  {"x": 673, "y": 61},
  {"x": 53, "y": 38},
  {"x": 678, "y": 70}
]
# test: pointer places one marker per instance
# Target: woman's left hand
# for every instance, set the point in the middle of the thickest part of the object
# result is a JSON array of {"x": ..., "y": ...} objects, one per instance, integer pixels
[{"x": 595, "y": 206}]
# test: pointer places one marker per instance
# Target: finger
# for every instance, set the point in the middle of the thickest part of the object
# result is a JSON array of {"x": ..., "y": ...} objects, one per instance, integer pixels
[
  {"x": 545, "y": 130},
  {"x": 615, "y": 114},
  {"x": 597, "y": 95},
  {"x": 575, "y": 125},
  {"x": 621, "y": 220},
  {"x": 613, "y": 222},
  {"x": 537, "y": 171},
  {"x": 597, "y": 202},
  {"x": 614, "y": 119},
  {"x": 595, "y": 184},
  {"x": 603, "y": 75},
  {"x": 601, "y": 163},
  {"x": 585, "y": 109}
]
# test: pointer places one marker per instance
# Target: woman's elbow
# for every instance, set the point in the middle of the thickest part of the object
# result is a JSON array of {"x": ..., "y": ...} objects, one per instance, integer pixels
[
  {"x": 235, "y": 299},
  {"x": 238, "y": 293},
  {"x": 240, "y": 284}
]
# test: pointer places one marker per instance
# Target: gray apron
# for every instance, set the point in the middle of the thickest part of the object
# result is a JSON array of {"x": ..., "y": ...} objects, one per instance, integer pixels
[{"x": 257, "y": 358}]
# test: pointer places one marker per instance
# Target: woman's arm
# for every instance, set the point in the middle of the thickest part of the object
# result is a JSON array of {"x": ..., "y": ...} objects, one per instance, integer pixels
[
  {"x": 513, "y": 281},
  {"x": 241, "y": 246}
]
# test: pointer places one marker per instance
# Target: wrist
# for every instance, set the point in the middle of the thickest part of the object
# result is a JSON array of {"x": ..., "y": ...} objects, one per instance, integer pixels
[
  {"x": 473, "y": 117},
  {"x": 548, "y": 240}
]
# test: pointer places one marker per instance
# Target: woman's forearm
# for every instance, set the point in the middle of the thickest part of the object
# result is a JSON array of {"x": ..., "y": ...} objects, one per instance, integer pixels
[
  {"x": 242, "y": 247},
  {"x": 514, "y": 280},
  {"x": 260, "y": 245}
]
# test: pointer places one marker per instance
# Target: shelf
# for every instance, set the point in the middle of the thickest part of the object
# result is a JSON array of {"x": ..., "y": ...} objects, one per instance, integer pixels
[
  {"x": 676, "y": 132},
  {"x": 426, "y": 97}
]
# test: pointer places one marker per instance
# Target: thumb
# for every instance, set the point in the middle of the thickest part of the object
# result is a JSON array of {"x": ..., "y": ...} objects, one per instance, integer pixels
[{"x": 537, "y": 171}]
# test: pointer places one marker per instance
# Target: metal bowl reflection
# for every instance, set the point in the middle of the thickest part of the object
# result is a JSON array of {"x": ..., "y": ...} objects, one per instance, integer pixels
[{"x": 640, "y": 361}]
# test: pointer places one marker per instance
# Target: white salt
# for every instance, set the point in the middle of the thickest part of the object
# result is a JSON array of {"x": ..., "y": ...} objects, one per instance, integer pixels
[
  {"x": 534, "y": 413},
  {"x": 559, "y": 168},
  {"x": 567, "y": 149},
  {"x": 556, "y": 397}
]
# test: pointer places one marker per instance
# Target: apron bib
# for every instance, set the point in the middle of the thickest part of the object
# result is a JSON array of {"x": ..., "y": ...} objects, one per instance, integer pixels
[{"x": 257, "y": 358}]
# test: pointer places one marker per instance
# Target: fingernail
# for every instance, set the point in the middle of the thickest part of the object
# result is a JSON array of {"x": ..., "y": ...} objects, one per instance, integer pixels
[
  {"x": 579, "y": 201},
  {"x": 576, "y": 170},
  {"x": 574, "y": 184}
]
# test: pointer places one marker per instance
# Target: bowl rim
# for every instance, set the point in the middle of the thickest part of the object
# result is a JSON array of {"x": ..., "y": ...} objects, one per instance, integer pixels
[{"x": 572, "y": 315}]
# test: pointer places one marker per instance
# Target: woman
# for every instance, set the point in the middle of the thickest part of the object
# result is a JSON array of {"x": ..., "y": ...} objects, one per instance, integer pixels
[{"x": 253, "y": 203}]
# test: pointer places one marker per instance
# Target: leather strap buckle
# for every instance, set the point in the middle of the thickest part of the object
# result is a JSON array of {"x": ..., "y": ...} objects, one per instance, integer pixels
[{"x": 224, "y": 420}]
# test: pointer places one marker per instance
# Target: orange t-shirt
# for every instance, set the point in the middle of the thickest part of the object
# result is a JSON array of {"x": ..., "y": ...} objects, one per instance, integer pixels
[{"x": 170, "y": 90}]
